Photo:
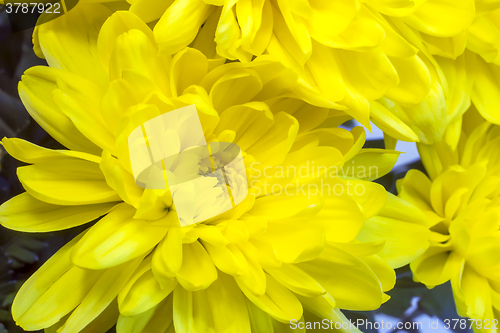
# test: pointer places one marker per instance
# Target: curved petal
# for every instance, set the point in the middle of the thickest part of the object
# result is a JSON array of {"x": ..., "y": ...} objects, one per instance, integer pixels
[
  {"x": 143, "y": 292},
  {"x": 403, "y": 227},
  {"x": 197, "y": 270},
  {"x": 219, "y": 308},
  {"x": 179, "y": 24},
  {"x": 278, "y": 301},
  {"x": 118, "y": 238},
  {"x": 27, "y": 214},
  {"x": 354, "y": 286},
  {"x": 76, "y": 49},
  {"x": 67, "y": 182}
]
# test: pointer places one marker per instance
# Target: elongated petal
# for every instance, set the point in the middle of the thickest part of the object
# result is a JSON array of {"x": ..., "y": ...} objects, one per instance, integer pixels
[
  {"x": 47, "y": 113},
  {"x": 99, "y": 297},
  {"x": 197, "y": 270},
  {"x": 42, "y": 279},
  {"x": 25, "y": 213},
  {"x": 179, "y": 25},
  {"x": 50, "y": 294},
  {"x": 297, "y": 280},
  {"x": 442, "y": 18},
  {"x": 117, "y": 238},
  {"x": 134, "y": 51},
  {"x": 120, "y": 22},
  {"x": 187, "y": 68},
  {"x": 143, "y": 292},
  {"x": 370, "y": 164},
  {"x": 67, "y": 182},
  {"x": 120, "y": 180},
  {"x": 156, "y": 320},
  {"x": 219, "y": 308},
  {"x": 76, "y": 49},
  {"x": 353, "y": 286},
  {"x": 28, "y": 152},
  {"x": 278, "y": 302},
  {"x": 405, "y": 239},
  {"x": 167, "y": 257},
  {"x": 296, "y": 240},
  {"x": 486, "y": 91}
]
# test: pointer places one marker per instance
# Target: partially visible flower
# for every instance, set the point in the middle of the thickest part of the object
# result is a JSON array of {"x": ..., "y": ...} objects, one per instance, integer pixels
[
  {"x": 283, "y": 253},
  {"x": 461, "y": 199}
]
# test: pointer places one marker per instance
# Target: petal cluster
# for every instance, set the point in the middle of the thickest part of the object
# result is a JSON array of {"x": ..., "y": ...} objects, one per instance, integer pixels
[
  {"x": 375, "y": 60},
  {"x": 460, "y": 198},
  {"x": 302, "y": 244}
]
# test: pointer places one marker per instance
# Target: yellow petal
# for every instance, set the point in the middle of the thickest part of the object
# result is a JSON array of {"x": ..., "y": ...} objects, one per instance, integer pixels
[
  {"x": 278, "y": 302},
  {"x": 134, "y": 50},
  {"x": 250, "y": 121},
  {"x": 25, "y": 213},
  {"x": 99, "y": 297},
  {"x": 296, "y": 25},
  {"x": 275, "y": 144},
  {"x": 477, "y": 294},
  {"x": 117, "y": 238},
  {"x": 44, "y": 110},
  {"x": 120, "y": 180},
  {"x": 90, "y": 126},
  {"x": 341, "y": 216},
  {"x": 43, "y": 278},
  {"x": 167, "y": 257},
  {"x": 67, "y": 182},
  {"x": 436, "y": 266},
  {"x": 197, "y": 271},
  {"x": 187, "y": 68},
  {"x": 354, "y": 285},
  {"x": 297, "y": 280},
  {"x": 28, "y": 152},
  {"x": 260, "y": 321},
  {"x": 371, "y": 199},
  {"x": 296, "y": 240},
  {"x": 219, "y": 308},
  {"x": 243, "y": 85},
  {"x": 142, "y": 292},
  {"x": 325, "y": 13},
  {"x": 486, "y": 90},
  {"x": 179, "y": 24},
  {"x": 156, "y": 320},
  {"x": 414, "y": 81},
  {"x": 76, "y": 49},
  {"x": 403, "y": 227},
  {"x": 120, "y": 22},
  {"x": 369, "y": 164},
  {"x": 390, "y": 123},
  {"x": 50, "y": 294},
  {"x": 148, "y": 10},
  {"x": 442, "y": 18},
  {"x": 251, "y": 276}
]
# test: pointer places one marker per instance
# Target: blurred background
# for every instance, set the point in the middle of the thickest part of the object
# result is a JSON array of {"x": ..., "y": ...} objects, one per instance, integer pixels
[{"x": 21, "y": 254}]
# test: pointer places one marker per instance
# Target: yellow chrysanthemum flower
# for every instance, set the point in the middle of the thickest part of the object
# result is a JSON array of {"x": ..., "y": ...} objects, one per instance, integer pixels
[
  {"x": 273, "y": 258},
  {"x": 460, "y": 198}
]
